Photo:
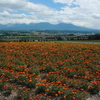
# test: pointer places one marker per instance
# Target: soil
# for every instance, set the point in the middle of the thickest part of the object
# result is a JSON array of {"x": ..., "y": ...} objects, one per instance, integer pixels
[{"x": 8, "y": 95}]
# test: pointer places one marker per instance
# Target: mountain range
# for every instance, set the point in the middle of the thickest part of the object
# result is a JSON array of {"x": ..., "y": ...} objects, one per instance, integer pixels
[{"x": 44, "y": 26}]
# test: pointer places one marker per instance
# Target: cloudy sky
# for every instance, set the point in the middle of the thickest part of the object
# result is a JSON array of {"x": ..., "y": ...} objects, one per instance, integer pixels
[{"x": 78, "y": 12}]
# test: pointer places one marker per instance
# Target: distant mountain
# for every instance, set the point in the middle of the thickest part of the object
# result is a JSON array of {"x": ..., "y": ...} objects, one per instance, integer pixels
[{"x": 43, "y": 26}]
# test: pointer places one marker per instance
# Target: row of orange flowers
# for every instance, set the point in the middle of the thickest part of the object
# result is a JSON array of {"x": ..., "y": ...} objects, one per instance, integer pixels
[{"x": 50, "y": 70}]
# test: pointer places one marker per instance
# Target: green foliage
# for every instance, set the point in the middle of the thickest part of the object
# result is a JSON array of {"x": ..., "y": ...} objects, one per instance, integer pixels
[
  {"x": 1, "y": 86},
  {"x": 81, "y": 73},
  {"x": 68, "y": 93},
  {"x": 1, "y": 72},
  {"x": 71, "y": 74},
  {"x": 34, "y": 71},
  {"x": 94, "y": 89},
  {"x": 31, "y": 85},
  {"x": 52, "y": 78},
  {"x": 83, "y": 86},
  {"x": 62, "y": 79},
  {"x": 20, "y": 63},
  {"x": 49, "y": 69},
  {"x": 80, "y": 96},
  {"x": 94, "y": 37},
  {"x": 59, "y": 38},
  {"x": 22, "y": 80},
  {"x": 29, "y": 65},
  {"x": 40, "y": 89},
  {"x": 21, "y": 69},
  {"x": 13, "y": 66},
  {"x": 24, "y": 95},
  {"x": 3, "y": 65},
  {"x": 54, "y": 90},
  {"x": 7, "y": 75}
]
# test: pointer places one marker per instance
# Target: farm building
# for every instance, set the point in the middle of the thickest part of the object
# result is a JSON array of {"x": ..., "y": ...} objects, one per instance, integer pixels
[
  {"x": 77, "y": 37},
  {"x": 48, "y": 38}
]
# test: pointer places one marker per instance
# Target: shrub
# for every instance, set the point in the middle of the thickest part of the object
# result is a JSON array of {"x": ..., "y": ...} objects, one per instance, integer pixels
[
  {"x": 22, "y": 80},
  {"x": 80, "y": 96},
  {"x": 7, "y": 75},
  {"x": 52, "y": 78},
  {"x": 94, "y": 89},
  {"x": 40, "y": 89},
  {"x": 34, "y": 70},
  {"x": 31, "y": 85},
  {"x": 21, "y": 69},
  {"x": 1, "y": 86},
  {"x": 20, "y": 63},
  {"x": 49, "y": 69},
  {"x": 54, "y": 90}
]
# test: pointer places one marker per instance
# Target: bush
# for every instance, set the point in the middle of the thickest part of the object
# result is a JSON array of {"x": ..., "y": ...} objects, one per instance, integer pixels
[
  {"x": 52, "y": 78},
  {"x": 54, "y": 90},
  {"x": 31, "y": 85},
  {"x": 1, "y": 86},
  {"x": 94, "y": 89},
  {"x": 34, "y": 70},
  {"x": 49, "y": 69},
  {"x": 41, "y": 89},
  {"x": 7, "y": 75},
  {"x": 22, "y": 80}
]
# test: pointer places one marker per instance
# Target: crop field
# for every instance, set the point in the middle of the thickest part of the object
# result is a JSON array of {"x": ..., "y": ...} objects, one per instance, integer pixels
[{"x": 49, "y": 71}]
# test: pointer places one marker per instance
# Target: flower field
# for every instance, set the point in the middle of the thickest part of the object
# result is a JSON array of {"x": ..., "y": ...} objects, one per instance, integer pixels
[{"x": 50, "y": 71}]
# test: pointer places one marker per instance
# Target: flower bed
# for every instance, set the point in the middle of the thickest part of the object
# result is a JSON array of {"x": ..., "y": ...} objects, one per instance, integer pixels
[{"x": 45, "y": 71}]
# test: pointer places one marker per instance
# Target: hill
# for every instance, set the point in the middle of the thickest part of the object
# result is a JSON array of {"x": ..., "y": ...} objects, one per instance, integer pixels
[{"x": 43, "y": 26}]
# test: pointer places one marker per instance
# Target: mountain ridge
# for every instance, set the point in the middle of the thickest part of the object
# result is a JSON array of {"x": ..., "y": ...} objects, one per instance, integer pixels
[{"x": 44, "y": 26}]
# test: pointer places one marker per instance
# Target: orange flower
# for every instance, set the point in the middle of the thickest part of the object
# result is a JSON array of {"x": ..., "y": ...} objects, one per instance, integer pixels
[
  {"x": 30, "y": 81},
  {"x": 31, "y": 98}
]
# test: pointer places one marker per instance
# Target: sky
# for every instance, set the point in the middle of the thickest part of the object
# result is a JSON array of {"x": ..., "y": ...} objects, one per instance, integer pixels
[{"x": 85, "y": 13}]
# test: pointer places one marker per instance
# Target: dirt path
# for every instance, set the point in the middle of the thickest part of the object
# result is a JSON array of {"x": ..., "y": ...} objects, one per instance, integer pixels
[
  {"x": 13, "y": 96},
  {"x": 94, "y": 97}
]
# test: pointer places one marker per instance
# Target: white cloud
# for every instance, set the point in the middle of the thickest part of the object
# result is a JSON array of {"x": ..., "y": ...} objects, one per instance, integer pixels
[
  {"x": 7, "y": 18},
  {"x": 38, "y": 12},
  {"x": 96, "y": 16},
  {"x": 17, "y": 18},
  {"x": 79, "y": 12},
  {"x": 14, "y": 5},
  {"x": 39, "y": 9},
  {"x": 64, "y": 1}
]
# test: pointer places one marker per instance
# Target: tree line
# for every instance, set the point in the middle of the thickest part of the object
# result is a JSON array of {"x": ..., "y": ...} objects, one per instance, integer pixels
[{"x": 94, "y": 37}]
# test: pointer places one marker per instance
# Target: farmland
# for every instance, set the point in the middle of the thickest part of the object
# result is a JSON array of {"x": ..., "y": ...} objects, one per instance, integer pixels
[{"x": 50, "y": 71}]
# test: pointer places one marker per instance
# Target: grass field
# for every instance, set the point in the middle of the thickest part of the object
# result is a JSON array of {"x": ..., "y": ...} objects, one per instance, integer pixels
[{"x": 50, "y": 71}]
